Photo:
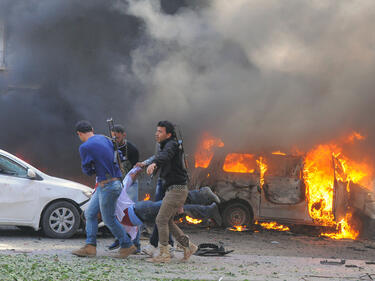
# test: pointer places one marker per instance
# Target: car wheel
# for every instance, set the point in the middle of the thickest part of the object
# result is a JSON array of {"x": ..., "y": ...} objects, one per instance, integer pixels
[
  {"x": 60, "y": 220},
  {"x": 237, "y": 213}
]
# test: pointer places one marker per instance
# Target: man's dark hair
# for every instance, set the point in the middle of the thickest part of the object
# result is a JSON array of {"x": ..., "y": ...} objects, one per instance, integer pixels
[
  {"x": 118, "y": 129},
  {"x": 83, "y": 126},
  {"x": 169, "y": 127}
]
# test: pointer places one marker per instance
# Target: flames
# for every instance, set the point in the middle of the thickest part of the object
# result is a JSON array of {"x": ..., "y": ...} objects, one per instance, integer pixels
[
  {"x": 205, "y": 151},
  {"x": 192, "y": 220},
  {"x": 323, "y": 165},
  {"x": 189, "y": 220},
  {"x": 274, "y": 226},
  {"x": 278, "y": 153},
  {"x": 263, "y": 169},
  {"x": 343, "y": 230},
  {"x": 239, "y": 163},
  {"x": 319, "y": 179},
  {"x": 147, "y": 197},
  {"x": 265, "y": 225},
  {"x": 354, "y": 136},
  {"x": 238, "y": 228}
]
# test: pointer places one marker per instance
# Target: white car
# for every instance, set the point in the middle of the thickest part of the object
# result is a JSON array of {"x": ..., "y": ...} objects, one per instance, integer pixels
[{"x": 30, "y": 198}]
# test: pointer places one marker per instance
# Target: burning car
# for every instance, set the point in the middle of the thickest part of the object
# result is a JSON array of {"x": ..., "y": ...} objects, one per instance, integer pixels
[
  {"x": 322, "y": 187},
  {"x": 31, "y": 198}
]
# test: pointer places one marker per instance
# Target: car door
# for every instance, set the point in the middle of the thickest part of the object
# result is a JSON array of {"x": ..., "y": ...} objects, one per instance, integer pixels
[
  {"x": 283, "y": 191},
  {"x": 340, "y": 202},
  {"x": 18, "y": 194}
]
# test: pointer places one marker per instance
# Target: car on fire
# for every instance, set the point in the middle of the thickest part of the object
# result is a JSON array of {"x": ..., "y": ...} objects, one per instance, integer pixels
[
  {"x": 31, "y": 198},
  {"x": 276, "y": 192}
]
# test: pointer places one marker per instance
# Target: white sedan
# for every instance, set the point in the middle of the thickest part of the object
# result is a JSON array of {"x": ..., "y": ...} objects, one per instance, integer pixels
[{"x": 30, "y": 198}]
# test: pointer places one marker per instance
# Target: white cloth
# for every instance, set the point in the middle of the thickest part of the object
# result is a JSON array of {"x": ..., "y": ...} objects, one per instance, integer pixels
[{"x": 124, "y": 202}]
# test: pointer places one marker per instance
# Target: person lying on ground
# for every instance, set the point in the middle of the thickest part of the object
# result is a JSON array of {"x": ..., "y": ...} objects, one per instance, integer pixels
[{"x": 132, "y": 214}]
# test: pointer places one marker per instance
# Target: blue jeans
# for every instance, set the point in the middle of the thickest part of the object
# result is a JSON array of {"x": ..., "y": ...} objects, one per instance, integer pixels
[
  {"x": 159, "y": 195},
  {"x": 147, "y": 211},
  {"x": 104, "y": 200}
]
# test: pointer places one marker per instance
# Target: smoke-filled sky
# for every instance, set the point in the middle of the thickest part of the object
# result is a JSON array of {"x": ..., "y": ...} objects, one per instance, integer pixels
[{"x": 259, "y": 74}]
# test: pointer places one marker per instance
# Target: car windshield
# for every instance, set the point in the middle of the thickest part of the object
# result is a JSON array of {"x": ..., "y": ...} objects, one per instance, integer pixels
[{"x": 9, "y": 167}]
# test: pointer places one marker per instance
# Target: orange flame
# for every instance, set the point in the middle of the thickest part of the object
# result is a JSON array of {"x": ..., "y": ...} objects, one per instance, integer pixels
[
  {"x": 192, "y": 220},
  {"x": 278, "y": 153},
  {"x": 204, "y": 153},
  {"x": 147, "y": 197},
  {"x": 344, "y": 230},
  {"x": 239, "y": 163},
  {"x": 274, "y": 226},
  {"x": 353, "y": 137},
  {"x": 263, "y": 169},
  {"x": 238, "y": 228},
  {"x": 318, "y": 176},
  {"x": 322, "y": 165}
]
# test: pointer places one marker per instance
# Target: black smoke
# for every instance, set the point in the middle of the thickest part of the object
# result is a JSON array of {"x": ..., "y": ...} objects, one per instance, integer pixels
[
  {"x": 66, "y": 61},
  {"x": 260, "y": 75}
]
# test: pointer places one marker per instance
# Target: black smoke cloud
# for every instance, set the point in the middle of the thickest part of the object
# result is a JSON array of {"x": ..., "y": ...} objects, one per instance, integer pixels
[
  {"x": 67, "y": 60},
  {"x": 258, "y": 74}
]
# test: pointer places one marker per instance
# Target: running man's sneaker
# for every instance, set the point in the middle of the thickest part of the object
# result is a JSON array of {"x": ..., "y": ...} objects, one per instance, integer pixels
[
  {"x": 171, "y": 250},
  {"x": 149, "y": 250},
  {"x": 86, "y": 251},
  {"x": 188, "y": 251}
]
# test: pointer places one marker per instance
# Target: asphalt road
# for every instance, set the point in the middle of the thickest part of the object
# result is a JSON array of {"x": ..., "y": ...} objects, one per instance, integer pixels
[{"x": 263, "y": 255}]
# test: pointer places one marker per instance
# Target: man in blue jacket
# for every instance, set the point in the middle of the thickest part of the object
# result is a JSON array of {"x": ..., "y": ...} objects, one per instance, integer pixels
[{"x": 98, "y": 157}]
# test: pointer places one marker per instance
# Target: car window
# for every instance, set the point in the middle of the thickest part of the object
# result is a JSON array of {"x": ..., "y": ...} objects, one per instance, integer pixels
[
  {"x": 283, "y": 166},
  {"x": 240, "y": 163},
  {"x": 11, "y": 168}
]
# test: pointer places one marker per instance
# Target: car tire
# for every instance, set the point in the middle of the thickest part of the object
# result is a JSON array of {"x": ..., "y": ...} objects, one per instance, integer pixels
[
  {"x": 60, "y": 220},
  {"x": 237, "y": 213}
]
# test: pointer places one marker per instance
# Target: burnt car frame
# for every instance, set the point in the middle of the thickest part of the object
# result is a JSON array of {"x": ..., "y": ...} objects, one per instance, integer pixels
[{"x": 281, "y": 198}]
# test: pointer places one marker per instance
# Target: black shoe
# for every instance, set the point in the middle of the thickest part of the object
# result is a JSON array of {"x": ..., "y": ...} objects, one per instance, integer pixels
[{"x": 115, "y": 245}]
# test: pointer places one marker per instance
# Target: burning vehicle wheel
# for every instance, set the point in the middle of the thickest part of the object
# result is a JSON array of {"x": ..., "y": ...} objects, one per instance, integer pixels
[
  {"x": 237, "y": 214},
  {"x": 60, "y": 220}
]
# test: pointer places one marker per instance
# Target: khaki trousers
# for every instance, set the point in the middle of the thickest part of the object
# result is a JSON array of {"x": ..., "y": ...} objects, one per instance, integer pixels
[{"x": 174, "y": 199}]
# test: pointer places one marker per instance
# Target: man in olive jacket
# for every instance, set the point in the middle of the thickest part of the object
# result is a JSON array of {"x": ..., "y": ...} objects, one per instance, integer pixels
[{"x": 174, "y": 176}]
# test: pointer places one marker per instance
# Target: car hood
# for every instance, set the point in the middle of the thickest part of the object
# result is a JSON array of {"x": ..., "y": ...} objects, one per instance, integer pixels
[{"x": 67, "y": 183}]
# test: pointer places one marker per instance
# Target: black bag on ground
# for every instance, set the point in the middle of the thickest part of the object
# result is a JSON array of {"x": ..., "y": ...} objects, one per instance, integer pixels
[{"x": 210, "y": 249}]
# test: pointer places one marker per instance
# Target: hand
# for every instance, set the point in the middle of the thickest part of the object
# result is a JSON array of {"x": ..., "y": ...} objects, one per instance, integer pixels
[
  {"x": 180, "y": 211},
  {"x": 151, "y": 168},
  {"x": 140, "y": 164}
]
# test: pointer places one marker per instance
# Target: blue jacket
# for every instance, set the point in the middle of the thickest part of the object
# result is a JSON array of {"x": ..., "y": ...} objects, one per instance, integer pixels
[{"x": 97, "y": 155}]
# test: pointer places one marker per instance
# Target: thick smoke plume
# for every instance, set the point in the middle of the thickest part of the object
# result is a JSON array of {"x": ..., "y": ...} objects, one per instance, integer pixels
[{"x": 258, "y": 74}]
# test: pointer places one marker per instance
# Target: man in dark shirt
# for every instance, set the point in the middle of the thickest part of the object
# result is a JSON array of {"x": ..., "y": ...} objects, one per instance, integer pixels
[
  {"x": 129, "y": 151},
  {"x": 97, "y": 155},
  {"x": 130, "y": 156},
  {"x": 174, "y": 176}
]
